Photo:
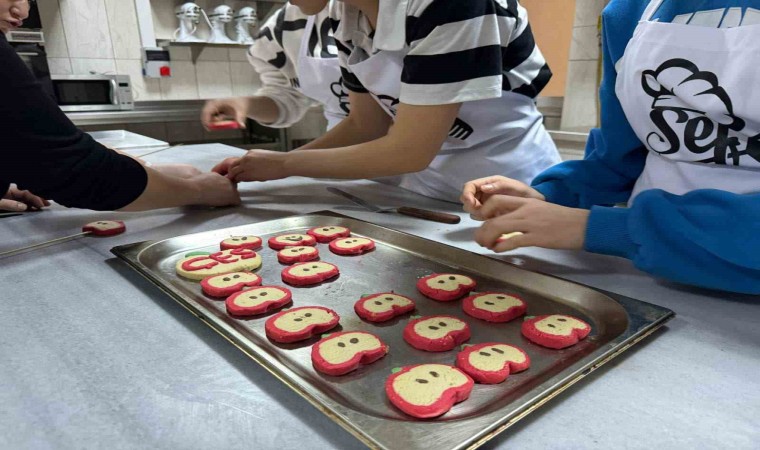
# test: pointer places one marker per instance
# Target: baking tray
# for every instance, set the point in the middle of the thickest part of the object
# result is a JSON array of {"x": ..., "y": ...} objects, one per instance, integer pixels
[{"x": 357, "y": 401}]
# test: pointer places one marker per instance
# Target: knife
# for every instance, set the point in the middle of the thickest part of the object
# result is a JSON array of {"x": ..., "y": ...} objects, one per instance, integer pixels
[{"x": 433, "y": 216}]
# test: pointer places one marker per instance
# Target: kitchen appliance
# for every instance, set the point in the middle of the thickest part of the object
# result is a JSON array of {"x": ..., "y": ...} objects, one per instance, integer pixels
[
  {"x": 189, "y": 15},
  {"x": 81, "y": 93},
  {"x": 218, "y": 19},
  {"x": 244, "y": 19}
]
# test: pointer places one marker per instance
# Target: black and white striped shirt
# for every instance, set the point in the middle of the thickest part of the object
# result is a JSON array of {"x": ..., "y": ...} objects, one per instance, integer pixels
[{"x": 453, "y": 50}]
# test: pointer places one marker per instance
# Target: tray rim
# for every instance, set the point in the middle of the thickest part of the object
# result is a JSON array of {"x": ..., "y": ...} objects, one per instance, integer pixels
[{"x": 585, "y": 366}]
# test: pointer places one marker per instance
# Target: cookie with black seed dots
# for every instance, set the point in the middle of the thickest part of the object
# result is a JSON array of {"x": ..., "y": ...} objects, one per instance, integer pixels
[
  {"x": 291, "y": 240},
  {"x": 383, "y": 307},
  {"x": 328, "y": 233},
  {"x": 436, "y": 333},
  {"x": 555, "y": 331},
  {"x": 309, "y": 273},
  {"x": 446, "y": 287},
  {"x": 292, "y": 255},
  {"x": 259, "y": 300},
  {"x": 352, "y": 246},
  {"x": 341, "y": 353},
  {"x": 252, "y": 242},
  {"x": 494, "y": 306},
  {"x": 298, "y": 324},
  {"x": 428, "y": 390},
  {"x": 492, "y": 362},
  {"x": 227, "y": 284}
]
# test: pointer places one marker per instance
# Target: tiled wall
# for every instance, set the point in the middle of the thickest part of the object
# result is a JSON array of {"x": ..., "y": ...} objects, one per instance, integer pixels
[
  {"x": 580, "y": 110},
  {"x": 102, "y": 36}
]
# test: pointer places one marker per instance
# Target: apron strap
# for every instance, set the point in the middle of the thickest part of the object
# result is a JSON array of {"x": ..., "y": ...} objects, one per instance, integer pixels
[{"x": 654, "y": 5}]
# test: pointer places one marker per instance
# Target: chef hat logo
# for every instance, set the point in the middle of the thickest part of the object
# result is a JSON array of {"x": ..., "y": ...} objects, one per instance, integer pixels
[{"x": 679, "y": 85}]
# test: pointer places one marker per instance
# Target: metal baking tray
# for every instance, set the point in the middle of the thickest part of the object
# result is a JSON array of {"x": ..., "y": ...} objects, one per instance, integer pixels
[{"x": 357, "y": 401}]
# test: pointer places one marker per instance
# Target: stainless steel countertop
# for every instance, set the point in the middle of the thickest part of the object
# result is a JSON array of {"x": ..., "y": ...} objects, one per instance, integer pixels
[{"x": 93, "y": 356}]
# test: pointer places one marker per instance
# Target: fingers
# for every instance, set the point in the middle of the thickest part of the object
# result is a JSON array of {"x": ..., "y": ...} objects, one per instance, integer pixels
[
  {"x": 470, "y": 193},
  {"x": 241, "y": 117},
  {"x": 223, "y": 167},
  {"x": 12, "y": 205},
  {"x": 500, "y": 205},
  {"x": 514, "y": 242},
  {"x": 490, "y": 234},
  {"x": 209, "y": 112}
]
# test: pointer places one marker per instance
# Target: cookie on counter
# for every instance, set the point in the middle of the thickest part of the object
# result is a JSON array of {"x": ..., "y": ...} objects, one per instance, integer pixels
[
  {"x": 252, "y": 242},
  {"x": 227, "y": 261},
  {"x": 105, "y": 228},
  {"x": 292, "y": 255},
  {"x": 494, "y": 306},
  {"x": 227, "y": 284},
  {"x": 309, "y": 273},
  {"x": 555, "y": 331},
  {"x": 436, "y": 333},
  {"x": 328, "y": 233},
  {"x": 492, "y": 362},
  {"x": 341, "y": 353},
  {"x": 352, "y": 246},
  {"x": 259, "y": 300},
  {"x": 383, "y": 307},
  {"x": 428, "y": 390},
  {"x": 446, "y": 287},
  {"x": 291, "y": 240},
  {"x": 298, "y": 324}
]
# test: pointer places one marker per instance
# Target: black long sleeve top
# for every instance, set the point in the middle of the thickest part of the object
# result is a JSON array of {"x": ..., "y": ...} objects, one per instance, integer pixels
[{"x": 43, "y": 152}]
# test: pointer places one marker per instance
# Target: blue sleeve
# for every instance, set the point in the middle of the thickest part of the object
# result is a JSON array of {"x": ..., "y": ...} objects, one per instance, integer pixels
[
  {"x": 614, "y": 154},
  {"x": 706, "y": 238}
]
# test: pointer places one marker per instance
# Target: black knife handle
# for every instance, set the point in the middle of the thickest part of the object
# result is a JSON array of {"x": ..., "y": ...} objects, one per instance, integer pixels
[{"x": 433, "y": 216}]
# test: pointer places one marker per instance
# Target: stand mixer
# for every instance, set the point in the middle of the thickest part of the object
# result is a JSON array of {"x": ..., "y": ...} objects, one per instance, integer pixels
[
  {"x": 189, "y": 15},
  {"x": 221, "y": 16},
  {"x": 244, "y": 19}
]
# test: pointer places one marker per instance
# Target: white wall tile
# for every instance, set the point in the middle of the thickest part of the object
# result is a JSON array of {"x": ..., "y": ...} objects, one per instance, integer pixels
[
  {"x": 125, "y": 34},
  {"x": 55, "y": 38},
  {"x": 180, "y": 132},
  {"x": 143, "y": 89},
  {"x": 579, "y": 112},
  {"x": 239, "y": 54},
  {"x": 182, "y": 85},
  {"x": 164, "y": 21},
  {"x": 214, "y": 80},
  {"x": 84, "y": 66},
  {"x": 587, "y": 12},
  {"x": 245, "y": 80},
  {"x": 86, "y": 25},
  {"x": 211, "y": 53},
  {"x": 59, "y": 66},
  {"x": 585, "y": 45},
  {"x": 178, "y": 53}
]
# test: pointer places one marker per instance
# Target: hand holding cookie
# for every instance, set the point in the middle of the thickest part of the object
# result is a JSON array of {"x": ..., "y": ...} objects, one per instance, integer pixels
[
  {"x": 477, "y": 192},
  {"x": 257, "y": 165}
]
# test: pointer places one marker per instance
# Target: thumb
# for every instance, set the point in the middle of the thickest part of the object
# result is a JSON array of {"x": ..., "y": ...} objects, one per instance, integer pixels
[{"x": 241, "y": 118}]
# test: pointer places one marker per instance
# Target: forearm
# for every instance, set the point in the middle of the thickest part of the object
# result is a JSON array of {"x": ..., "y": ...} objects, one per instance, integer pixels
[
  {"x": 165, "y": 191},
  {"x": 345, "y": 134},
  {"x": 263, "y": 110}
]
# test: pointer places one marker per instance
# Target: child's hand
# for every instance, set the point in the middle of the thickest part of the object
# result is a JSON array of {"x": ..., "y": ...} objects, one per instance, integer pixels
[
  {"x": 542, "y": 224},
  {"x": 477, "y": 192},
  {"x": 256, "y": 165}
]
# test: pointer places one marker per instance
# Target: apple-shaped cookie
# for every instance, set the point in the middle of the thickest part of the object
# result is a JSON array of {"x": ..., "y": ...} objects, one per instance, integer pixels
[
  {"x": 293, "y": 255},
  {"x": 227, "y": 284},
  {"x": 352, "y": 246},
  {"x": 494, "y": 306},
  {"x": 252, "y": 242},
  {"x": 436, "y": 333},
  {"x": 258, "y": 300},
  {"x": 492, "y": 362},
  {"x": 291, "y": 240},
  {"x": 428, "y": 390},
  {"x": 382, "y": 307},
  {"x": 308, "y": 273},
  {"x": 341, "y": 353},
  {"x": 445, "y": 287},
  {"x": 555, "y": 331},
  {"x": 298, "y": 324},
  {"x": 105, "y": 228},
  {"x": 226, "y": 261},
  {"x": 328, "y": 233}
]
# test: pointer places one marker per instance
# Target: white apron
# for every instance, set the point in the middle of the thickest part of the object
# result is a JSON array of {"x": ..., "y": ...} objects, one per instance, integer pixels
[
  {"x": 320, "y": 79},
  {"x": 691, "y": 94},
  {"x": 501, "y": 136}
]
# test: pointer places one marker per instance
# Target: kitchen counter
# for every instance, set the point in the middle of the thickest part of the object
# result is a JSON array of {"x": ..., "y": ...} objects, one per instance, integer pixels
[
  {"x": 94, "y": 356},
  {"x": 144, "y": 112}
]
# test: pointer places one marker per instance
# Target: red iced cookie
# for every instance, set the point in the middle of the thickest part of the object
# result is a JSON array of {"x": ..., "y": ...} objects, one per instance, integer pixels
[
  {"x": 291, "y": 240},
  {"x": 382, "y": 307},
  {"x": 258, "y": 300},
  {"x": 298, "y": 324},
  {"x": 341, "y": 353},
  {"x": 352, "y": 246},
  {"x": 252, "y": 242},
  {"x": 229, "y": 283},
  {"x": 293, "y": 255},
  {"x": 492, "y": 362},
  {"x": 428, "y": 390},
  {"x": 329, "y": 233},
  {"x": 436, "y": 333},
  {"x": 105, "y": 228},
  {"x": 308, "y": 273},
  {"x": 223, "y": 125},
  {"x": 494, "y": 306},
  {"x": 555, "y": 331},
  {"x": 445, "y": 287}
]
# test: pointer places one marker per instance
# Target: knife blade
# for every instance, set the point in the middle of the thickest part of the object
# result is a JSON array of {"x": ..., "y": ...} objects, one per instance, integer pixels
[{"x": 433, "y": 216}]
